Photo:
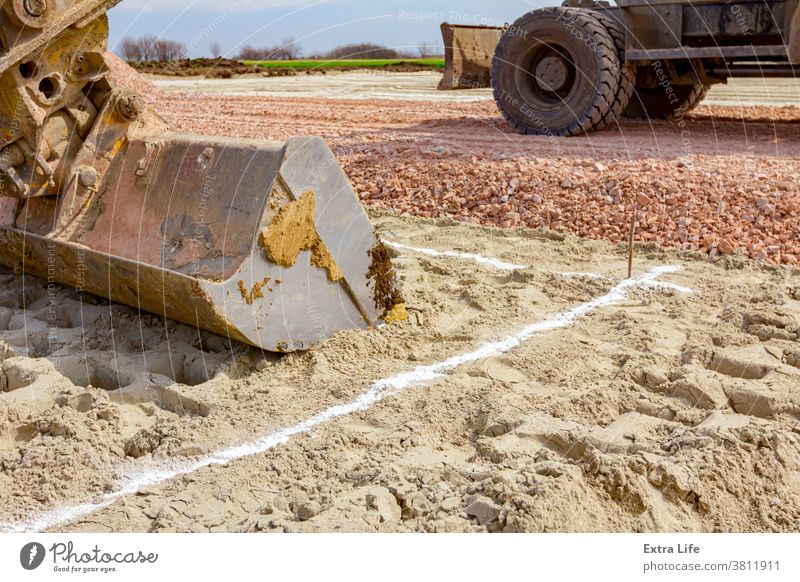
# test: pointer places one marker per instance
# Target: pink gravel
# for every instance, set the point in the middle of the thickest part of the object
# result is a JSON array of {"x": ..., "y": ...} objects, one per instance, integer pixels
[{"x": 724, "y": 183}]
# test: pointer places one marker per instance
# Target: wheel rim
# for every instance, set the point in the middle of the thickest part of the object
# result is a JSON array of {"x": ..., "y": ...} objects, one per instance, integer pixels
[
  {"x": 552, "y": 74},
  {"x": 546, "y": 76}
]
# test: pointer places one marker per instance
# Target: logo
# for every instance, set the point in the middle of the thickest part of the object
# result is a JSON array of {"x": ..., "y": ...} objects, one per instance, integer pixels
[{"x": 32, "y": 555}]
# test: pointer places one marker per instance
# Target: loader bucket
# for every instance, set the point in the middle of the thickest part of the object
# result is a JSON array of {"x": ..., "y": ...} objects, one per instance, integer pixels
[
  {"x": 265, "y": 243},
  {"x": 469, "y": 51}
]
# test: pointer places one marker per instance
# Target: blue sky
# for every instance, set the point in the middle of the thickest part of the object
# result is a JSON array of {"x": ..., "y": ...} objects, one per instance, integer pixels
[{"x": 317, "y": 25}]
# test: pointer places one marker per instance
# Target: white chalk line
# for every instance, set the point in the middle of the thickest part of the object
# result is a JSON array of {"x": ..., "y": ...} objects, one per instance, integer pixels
[
  {"x": 497, "y": 263},
  {"x": 379, "y": 391},
  {"x": 597, "y": 276},
  {"x": 487, "y": 261}
]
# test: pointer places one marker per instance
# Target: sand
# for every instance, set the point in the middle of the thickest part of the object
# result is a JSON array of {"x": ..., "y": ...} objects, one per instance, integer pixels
[
  {"x": 421, "y": 86},
  {"x": 669, "y": 411}
]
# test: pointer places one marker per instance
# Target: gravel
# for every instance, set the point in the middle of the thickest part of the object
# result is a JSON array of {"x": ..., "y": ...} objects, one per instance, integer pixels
[{"x": 720, "y": 181}]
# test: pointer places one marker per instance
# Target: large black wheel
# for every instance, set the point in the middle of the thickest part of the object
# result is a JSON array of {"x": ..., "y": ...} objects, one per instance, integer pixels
[
  {"x": 659, "y": 103},
  {"x": 627, "y": 77},
  {"x": 556, "y": 71}
]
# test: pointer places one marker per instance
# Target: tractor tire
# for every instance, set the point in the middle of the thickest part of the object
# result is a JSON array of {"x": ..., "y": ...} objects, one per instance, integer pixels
[
  {"x": 695, "y": 98},
  {"x": 627, "y": 78},
  {"x": 656, "y": 104},
  {"x": 556, "y": 72}
]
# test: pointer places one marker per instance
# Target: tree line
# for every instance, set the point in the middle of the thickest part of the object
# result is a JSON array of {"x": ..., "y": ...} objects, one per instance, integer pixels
[{"x": 150, "y": 48}]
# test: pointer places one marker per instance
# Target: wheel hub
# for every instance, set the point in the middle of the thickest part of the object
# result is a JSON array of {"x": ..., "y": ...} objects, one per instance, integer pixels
[{"x": 551, "y": 73}]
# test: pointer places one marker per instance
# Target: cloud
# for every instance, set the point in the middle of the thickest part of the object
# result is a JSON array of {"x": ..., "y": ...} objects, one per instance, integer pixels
[{"x": 212, "y": 5}]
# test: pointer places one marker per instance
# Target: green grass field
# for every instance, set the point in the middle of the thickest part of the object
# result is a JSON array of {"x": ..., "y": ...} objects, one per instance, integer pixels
[{"x": 348, "y": 63}]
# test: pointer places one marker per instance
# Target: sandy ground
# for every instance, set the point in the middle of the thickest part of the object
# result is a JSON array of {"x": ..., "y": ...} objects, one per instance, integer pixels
[
  {"x": 421, "y": 86},
  {"x": 624, "y": 408},
  {"x": 368, "y": 85},
  {"x": 665, "y": 411}
]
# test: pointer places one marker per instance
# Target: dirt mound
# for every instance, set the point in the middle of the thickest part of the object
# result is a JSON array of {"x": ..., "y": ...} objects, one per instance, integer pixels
[
  {"x": 209, "y": 68},
  {"x": 221, "y": 68}
]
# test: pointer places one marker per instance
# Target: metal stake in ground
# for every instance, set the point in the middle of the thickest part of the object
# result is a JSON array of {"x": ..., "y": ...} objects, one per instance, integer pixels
[{"x": 631, "y": 237}]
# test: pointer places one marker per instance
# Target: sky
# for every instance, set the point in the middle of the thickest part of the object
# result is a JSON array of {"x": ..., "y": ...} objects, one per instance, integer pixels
[{"x": 316, "y": 25}]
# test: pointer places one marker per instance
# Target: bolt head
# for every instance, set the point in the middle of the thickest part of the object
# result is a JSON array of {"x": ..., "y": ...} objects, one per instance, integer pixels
[
  {"x": 36, "y": 8},
  {"x": 87, "y": 177},
  {"x": 130, "y": 106}
]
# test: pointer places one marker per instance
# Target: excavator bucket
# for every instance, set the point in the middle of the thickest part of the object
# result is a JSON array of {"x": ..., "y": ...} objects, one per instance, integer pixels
[
  {"x": 262, "y": 242},
  {"x": 469, "y": 51}
]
